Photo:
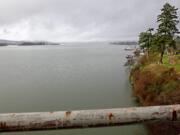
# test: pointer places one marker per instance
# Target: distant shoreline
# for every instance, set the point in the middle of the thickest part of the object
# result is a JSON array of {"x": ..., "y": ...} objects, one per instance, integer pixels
[
  {"x": 124, "y": 43},
  {"x": 40, "y": 43},
  {"x": 26, "y": 43}
]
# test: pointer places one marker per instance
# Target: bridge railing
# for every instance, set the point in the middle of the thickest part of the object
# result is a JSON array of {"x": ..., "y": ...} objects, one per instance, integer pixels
[{"x": 87, "y": 118}]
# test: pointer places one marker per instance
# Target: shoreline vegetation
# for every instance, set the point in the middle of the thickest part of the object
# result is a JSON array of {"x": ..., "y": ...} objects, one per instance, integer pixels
[
  {"x": 154, "y": 83},
  {"x": 155, "y": 76}
]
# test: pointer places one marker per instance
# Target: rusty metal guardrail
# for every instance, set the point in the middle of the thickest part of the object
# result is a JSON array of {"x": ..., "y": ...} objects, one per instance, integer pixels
[{"x": 86, "y": 118}]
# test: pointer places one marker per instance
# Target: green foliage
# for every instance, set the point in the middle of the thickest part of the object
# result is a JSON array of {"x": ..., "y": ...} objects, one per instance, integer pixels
[
  {"x": 167, "y": 28},
  {"x": 145, "y": 39},
  {"x": 162, "y": 42},
  {"x": 157, "y": 43},
  {"x": 164, "y": 38},
  {"x": 168, "y": 20},
  {"x": 167, "y": 64}
]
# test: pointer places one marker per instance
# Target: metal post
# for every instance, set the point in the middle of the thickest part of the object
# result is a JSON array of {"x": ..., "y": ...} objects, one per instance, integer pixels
[{"x": 86, "y": 118}]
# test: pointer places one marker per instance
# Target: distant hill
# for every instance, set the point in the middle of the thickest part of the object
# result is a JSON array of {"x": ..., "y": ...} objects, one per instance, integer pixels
[
  {"x": 25, "y": 43},
  {"x": 124, "y": 43}
]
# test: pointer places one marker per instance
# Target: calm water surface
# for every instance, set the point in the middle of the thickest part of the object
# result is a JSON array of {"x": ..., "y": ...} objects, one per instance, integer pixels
[{"x": 73, "y": 76}]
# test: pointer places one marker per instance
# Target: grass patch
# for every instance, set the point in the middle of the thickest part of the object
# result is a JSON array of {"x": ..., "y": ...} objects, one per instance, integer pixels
[{"x": 176, "y": 65}]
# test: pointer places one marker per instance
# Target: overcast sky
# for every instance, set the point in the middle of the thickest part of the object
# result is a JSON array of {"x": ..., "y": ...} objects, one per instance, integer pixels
[{"x": 78, "y": 20}]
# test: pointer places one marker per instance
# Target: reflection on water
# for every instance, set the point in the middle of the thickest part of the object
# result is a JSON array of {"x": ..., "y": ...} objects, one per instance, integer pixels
[{"x": 74, "y": 76}]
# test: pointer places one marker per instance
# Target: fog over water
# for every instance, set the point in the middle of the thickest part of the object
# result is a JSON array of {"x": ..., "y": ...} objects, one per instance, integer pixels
[{"x": 78, "y": 20}]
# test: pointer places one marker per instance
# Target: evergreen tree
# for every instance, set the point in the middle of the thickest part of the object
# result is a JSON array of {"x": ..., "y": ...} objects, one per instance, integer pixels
[
  {"x": 167, "y": 28},
  {"x": 145, "y": 39}
]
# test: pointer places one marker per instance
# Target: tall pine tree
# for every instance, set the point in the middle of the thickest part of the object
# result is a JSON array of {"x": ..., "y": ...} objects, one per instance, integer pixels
[{"x": 167, "y": 28}]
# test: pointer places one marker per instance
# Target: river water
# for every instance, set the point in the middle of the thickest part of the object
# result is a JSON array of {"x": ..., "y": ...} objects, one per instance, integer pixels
[{"x": 75, "y": 76}]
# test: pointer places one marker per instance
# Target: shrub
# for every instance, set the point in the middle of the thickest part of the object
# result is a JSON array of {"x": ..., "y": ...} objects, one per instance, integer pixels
[{"x": 154, "y": 83}]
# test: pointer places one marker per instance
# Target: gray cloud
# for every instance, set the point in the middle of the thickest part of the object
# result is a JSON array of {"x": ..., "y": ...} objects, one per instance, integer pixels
[{"x": 74, "y": 20}]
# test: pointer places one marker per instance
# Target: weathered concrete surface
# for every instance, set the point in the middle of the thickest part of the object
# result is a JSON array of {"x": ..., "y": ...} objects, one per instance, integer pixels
[{"x": 86, "y": 118}]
